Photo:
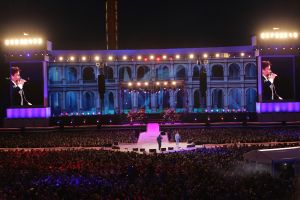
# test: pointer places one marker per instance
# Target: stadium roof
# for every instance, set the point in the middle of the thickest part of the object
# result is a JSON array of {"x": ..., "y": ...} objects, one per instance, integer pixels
[{"x": 268, "y": 156}]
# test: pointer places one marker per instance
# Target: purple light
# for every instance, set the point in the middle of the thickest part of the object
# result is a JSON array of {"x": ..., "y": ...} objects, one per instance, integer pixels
[
  {"x": 278, "y": 107},
  {"x": 28, "y": 113},
  {"x": 151, "y": 133}
]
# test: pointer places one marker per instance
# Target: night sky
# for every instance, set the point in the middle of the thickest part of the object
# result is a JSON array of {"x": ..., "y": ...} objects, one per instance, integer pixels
[{"x": 80, "y": 24}]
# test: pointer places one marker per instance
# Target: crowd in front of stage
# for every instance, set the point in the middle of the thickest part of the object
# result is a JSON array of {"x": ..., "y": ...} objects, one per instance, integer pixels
[
  {"x": 74, "y": 138},
  {"x": 217, "y": 173},
  {"x": 235, "y": 135},
  {"x": 106, "y": 138}
]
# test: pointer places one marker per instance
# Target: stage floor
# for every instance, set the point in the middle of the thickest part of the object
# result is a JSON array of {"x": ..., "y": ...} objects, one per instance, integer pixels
[{"x": 145, "y": 147}]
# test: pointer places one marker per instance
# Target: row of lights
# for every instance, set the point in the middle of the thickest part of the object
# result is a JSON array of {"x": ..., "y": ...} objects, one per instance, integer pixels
[
  {"x": 84, "y": 58},
  {"x": 23, "y": 41},
  {"x": 74, "y": 122},
  {"x": 79, "y": 114},
  {"x": 218, "y": 110},
  {"x": 145, "y": 58},
  {"x": 146, "y": 84},
  {"x": 276, "y": 48},
  {"x": 98, "y": 121},
  {"x": 279, "y": 35},
  {"x": 28, "y": 54},
  {"x": 206, "y": 110},
  {"x": 153, "y": 91}
]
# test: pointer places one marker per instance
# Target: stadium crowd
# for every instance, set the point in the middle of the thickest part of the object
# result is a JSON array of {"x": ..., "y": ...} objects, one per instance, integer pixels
[
  {"x": 205, "y": 173},
  {"x": 72, "y": 138},
  {"x": 235, "y": 135},
  {"x": 218, "y": 173},
  {"x": 106, "y": 138}
]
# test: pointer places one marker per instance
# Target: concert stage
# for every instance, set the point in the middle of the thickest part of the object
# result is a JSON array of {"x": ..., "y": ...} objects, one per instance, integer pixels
[
  {"x": 147, "y": 142},
  {"x": 193, "y": 85}
]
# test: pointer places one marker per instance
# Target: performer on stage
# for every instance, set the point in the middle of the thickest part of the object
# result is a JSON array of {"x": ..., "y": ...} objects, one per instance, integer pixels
[
  {"x": 18, "y": 85},
  {"x": 159, "y": 139},
  {"x": 269, "y": 92},
  {"x": 177, "y": 139}
]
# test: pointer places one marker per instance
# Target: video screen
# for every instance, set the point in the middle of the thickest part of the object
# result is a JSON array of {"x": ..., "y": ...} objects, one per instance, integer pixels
[
  {"x": 26, "y": 84},
  {"x": 277, "y": 79},
  {"x": 297, "y": 77}
]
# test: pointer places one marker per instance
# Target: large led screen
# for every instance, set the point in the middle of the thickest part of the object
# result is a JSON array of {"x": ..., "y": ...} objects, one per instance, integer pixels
[
  {"x": 27, "y": 84},
  {"x": 277, "y": 79}
]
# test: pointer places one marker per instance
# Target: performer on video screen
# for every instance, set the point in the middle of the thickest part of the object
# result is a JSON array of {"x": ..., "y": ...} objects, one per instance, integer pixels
[
  {"x": 269, "y": 92},
  {"x": 17, "y": 88}
]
